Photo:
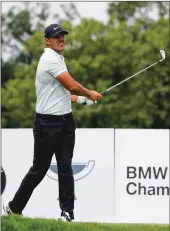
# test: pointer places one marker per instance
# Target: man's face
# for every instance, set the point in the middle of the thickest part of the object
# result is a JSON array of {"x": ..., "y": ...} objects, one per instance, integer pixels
[{"x": 56, "y": 43}]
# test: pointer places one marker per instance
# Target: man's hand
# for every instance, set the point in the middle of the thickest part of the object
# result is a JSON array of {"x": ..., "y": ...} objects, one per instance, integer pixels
[
  {"x": 82, "y": 99},
  {"x": 94, "y": 96}
]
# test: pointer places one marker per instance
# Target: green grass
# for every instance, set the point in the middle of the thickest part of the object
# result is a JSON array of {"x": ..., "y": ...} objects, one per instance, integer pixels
[{"x": 18, "y": 223}]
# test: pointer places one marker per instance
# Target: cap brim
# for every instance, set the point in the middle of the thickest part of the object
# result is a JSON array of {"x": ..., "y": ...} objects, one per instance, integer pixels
[{"x": 62, "y": 32}]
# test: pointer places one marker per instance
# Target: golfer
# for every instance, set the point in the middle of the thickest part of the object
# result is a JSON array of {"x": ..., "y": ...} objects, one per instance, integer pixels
[{"x": 54, "y": 126}]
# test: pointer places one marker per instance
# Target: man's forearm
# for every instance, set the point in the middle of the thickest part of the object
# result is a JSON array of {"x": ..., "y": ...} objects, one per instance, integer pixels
[{"x": 80, "y": 90}]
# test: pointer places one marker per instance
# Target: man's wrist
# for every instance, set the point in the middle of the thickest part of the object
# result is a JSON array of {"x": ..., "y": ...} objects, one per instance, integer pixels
[
  {"x": 74, "y": 98},
  {"x": 88, "y": 93}
]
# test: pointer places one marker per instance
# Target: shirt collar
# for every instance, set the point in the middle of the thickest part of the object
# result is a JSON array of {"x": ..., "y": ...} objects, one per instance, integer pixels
[{"x": 47, "y": 49}]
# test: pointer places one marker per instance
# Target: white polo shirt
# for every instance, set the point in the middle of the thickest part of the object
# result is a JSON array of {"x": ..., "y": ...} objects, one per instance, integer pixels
[{"x": 52, "y": 97}]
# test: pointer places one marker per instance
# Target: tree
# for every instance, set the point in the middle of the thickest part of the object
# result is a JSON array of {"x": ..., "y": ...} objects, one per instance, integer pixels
[{"x": 100, "y": 55}]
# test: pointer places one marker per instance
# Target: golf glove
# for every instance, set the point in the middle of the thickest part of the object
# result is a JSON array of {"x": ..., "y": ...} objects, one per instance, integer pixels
[{"x": 83, "y": 99}]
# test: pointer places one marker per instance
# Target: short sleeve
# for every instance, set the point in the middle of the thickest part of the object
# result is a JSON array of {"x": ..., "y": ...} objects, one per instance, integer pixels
[{"x": 56, "y": 67}]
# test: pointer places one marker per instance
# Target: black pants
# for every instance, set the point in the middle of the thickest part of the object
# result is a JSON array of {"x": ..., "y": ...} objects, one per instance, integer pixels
[{"x": 53, "y": 135}]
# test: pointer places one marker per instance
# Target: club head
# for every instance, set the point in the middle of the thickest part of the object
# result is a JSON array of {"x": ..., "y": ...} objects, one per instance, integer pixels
[{"x": 162, "y": 54}]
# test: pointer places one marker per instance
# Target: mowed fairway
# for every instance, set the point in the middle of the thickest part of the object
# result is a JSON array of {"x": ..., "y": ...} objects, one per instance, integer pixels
[{"x": 17, "y": 223}]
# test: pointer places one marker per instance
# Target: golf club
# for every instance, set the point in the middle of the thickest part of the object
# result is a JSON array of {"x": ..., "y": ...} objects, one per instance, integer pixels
[{"x": 163, "y": 57}]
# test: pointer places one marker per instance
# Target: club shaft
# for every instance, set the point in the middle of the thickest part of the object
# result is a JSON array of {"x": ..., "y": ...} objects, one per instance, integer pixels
[
  {"x": 102, "y": 93},
  {"x": 130, "y": 77}
]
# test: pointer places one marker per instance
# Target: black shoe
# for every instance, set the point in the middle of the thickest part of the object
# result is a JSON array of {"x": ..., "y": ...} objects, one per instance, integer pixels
[
  {"x": 7, "y": 209},
  {"x": 71, "y": 215},
  {"x": 66, "y": 216}
]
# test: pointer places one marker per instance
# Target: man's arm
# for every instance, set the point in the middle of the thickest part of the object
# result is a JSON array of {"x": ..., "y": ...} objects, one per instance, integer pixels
[
  {"x": 59, "y": 71},
  {"x": 73, "y": 86},
  {"x": 76, "y": 88}
]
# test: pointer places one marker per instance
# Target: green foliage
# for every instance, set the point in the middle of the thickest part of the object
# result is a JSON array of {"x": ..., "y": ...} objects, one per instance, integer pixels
[
  {"x": 18, "y": 98},
  {"x": 98, "y": 56}
]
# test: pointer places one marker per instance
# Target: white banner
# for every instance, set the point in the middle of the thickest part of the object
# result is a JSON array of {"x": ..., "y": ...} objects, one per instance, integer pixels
[
  {"x": 93, "y": 172},
  {"x": 138, "y": 193},
  {"x": 142, "y": 176}
]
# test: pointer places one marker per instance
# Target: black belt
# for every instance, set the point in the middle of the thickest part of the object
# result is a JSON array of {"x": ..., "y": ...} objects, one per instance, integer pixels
[{"x": 54, "y": 118}]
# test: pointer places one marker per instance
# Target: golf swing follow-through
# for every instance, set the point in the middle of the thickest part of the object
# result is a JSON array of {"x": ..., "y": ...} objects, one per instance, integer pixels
[
  {"x": 163, "y": 57},
  {"x": 54, "y": 125}
]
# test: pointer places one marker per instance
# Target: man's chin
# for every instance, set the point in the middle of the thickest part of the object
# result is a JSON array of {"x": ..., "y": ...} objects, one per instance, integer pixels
[{"x": 61, "y": 49}]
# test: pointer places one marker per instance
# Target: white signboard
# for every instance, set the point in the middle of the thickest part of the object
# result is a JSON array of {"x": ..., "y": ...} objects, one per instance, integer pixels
[
  {"x": 142, "y": 176},
  {"x": 93, "y": 172}
]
